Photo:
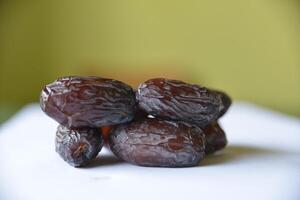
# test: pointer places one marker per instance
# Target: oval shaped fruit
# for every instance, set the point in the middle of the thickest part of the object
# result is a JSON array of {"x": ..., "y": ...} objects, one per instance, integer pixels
[
  {"x": 177, "y": 100},
  {"x": 88, "y": 101},
  {"x": 158, "y": 143},
  {"x": 215, "y": 138},
  {"x": 78, "y": 146}
]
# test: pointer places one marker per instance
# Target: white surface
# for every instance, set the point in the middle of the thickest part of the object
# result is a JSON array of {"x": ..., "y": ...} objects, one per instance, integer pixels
[{"x": 262, "y": 161}]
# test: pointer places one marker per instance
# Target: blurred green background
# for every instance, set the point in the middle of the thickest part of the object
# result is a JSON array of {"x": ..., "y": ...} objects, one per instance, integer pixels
[{"x": 250, "y": 49}]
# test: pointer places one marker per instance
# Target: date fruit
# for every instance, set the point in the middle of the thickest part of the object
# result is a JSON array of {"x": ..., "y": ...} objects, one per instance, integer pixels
[
  {"x": 215, "y": 138},
  {"x": 158, "y": 143},
  {"x": 78, "y": 146},
  {"x": 177, "y": 100},
  {"x": 88, "y": 101}
]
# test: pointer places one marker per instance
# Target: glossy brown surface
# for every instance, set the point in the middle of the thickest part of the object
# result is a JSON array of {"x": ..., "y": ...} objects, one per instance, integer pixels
[
  {"x": 88, "y": 101},
  {"x": 215, "y": 138},
  {"x": 177, "y": 100},
  {"x": 159, "y": 143},
  {"x": 78, "y": 146}
]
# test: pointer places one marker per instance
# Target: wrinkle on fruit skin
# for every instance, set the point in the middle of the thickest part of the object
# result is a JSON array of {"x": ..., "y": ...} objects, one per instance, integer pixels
[
  {"x": 78, "y": 146},
  {"x": 177, "y": 100},
  {"x": 88, "y": 101},
  {"x": 160, "y": 143}
]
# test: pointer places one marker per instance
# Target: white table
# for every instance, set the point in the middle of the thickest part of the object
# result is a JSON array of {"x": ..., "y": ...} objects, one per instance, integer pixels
[{"x": 262, "y": 161}]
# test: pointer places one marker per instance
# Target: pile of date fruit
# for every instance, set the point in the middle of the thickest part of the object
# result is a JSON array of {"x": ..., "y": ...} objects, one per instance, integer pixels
[{"x": 165, "y": 123}]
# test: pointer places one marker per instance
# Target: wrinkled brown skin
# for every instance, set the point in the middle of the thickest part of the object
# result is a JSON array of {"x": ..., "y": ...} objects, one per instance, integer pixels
[
  {"x": 78, "y": 146},
  {"x": 88, "y": 101},
  {"x": 158, "y": 143},
  {"x": 215, "y": 138},
  {"x": 177, "y": 100}
]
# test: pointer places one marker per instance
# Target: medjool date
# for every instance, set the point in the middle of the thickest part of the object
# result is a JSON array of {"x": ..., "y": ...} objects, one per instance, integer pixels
[
  {"x": 215, "y": 138},
  {"x": 78, "y": 146},
  {"x": 160, "y": 143},
  {"x": 88, "y": 101},
  {"x": 177, "y": 100}
]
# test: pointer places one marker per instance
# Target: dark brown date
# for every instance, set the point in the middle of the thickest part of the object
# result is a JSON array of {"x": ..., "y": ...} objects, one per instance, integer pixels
[
  {"x": 158, "y": 143},
  {"x": 176, "y": 100},
  {"x": 78, "y": 146},
  {"x": 88, "y": 101},
  {"x": 215, "y": 138}
]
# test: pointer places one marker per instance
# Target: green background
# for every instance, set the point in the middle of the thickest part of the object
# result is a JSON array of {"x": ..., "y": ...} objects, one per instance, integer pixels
[{"x": 250, "y": 49}]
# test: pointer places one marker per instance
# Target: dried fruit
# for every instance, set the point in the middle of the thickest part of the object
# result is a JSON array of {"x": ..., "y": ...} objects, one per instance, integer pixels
[
  {"x": 160, "y": 143},
  {"x": 166, "y": 123},
  {"x": 78, "y": 146},
  {"x": 176, "y": 100},
  {"x": 215, "y": 138},
  {"x": 88, "y": 101}
]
